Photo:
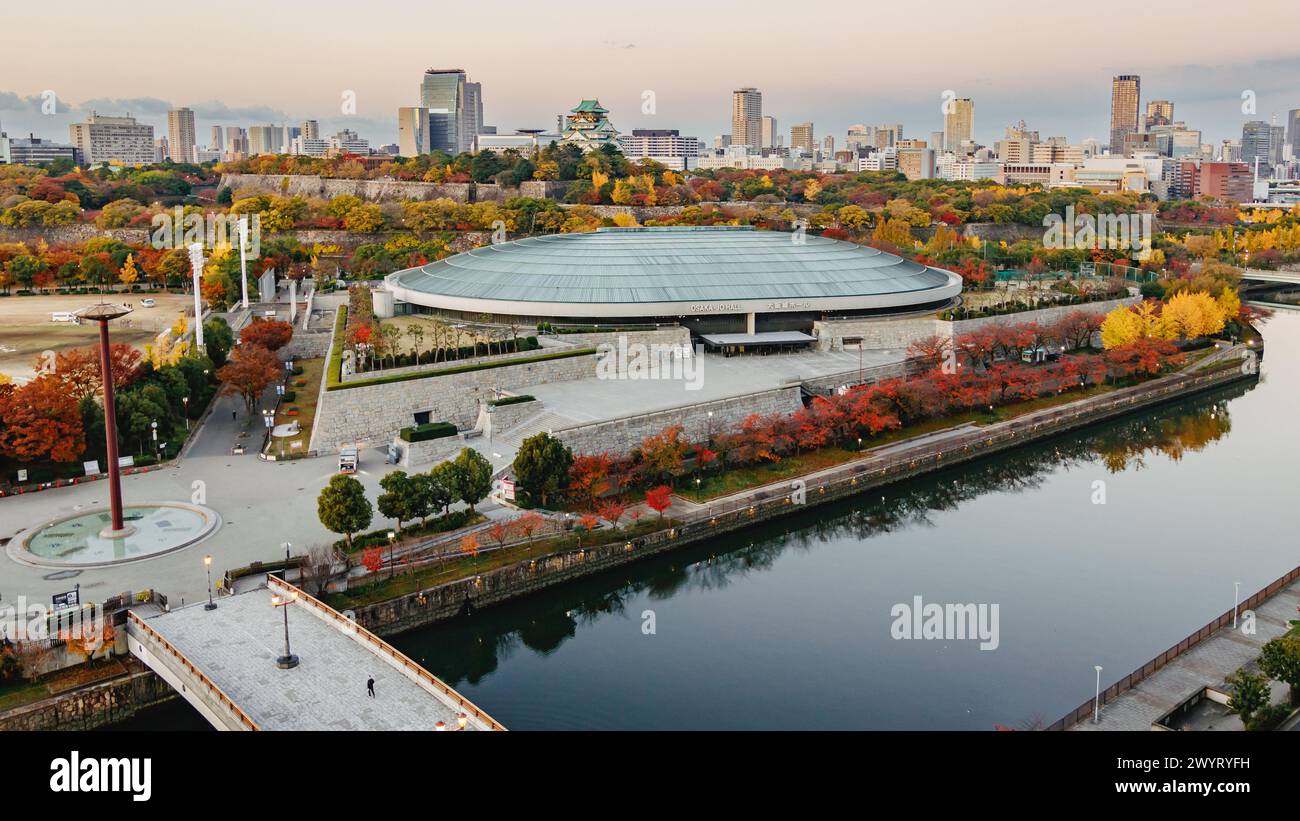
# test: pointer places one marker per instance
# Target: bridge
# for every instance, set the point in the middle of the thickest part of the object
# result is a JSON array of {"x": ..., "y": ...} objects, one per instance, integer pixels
[
  {"x": 1283, "y": 277},
  {"x": 226, "y": 662}
]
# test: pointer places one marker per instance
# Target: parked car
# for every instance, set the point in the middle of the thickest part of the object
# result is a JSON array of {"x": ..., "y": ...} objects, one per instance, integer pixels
[{"x": 148, "y": 302}]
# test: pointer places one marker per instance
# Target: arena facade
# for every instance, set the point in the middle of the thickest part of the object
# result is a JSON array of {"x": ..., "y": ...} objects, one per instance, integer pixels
[{"x": 730, "y": 284}]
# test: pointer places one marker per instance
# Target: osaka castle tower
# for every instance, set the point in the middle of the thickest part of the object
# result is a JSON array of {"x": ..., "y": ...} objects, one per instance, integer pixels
[{"x": 588, "y": 127}]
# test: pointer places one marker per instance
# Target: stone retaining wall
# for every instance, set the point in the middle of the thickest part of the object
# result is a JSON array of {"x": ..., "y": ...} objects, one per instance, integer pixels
[
  {"x": 622, "y": 435},
  {"x": 95, "y": 706},
  {"x": 371, "y": 414},
  {"x": 877, "y": 333}
]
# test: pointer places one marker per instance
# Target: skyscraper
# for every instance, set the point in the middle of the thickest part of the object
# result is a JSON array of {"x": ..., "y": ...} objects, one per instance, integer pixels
[
  {"x": 236, "y": 143},
  {"x": 958, "y": 123},
  {"x": 802, "y": 138},
  {"x": 310, "y": 130},
  {"x": 109, "y": 139},
  {"x": 1293, "y": 131},
  {"x": 442, "y": 92},
  {"x": 472, "y": 121},
  {"x": 412, "y": 131},
  {"x": 214, "y": 141},
  {"x": 747, "y": 117},
  {"x": 1159, "y": 112},
  {"x": 181, "y": 140},
  {"x": 771, "y": 132},
  {"x": 1125, "y": 93},
  {"x": 1263, "y": 142}
]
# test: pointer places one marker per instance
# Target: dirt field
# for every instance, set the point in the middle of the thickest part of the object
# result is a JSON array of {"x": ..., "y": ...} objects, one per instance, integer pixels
[{"x": 26, "y": 329}]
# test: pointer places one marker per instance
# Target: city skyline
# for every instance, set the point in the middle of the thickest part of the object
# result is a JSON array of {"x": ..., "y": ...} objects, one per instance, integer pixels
[{"x": 617, "y": 63}]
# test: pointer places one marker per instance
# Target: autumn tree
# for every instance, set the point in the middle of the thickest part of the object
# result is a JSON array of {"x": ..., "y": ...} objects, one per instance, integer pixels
[
  {"x": 270, "y": 334},
  {"x": 589, "y": 477},
  {"x": 611, "y": 511},
  {"x": 249, "y": 372},
  {"x": 40, "y": 420},
  {"x": 659, "y": 499},
  {"x": 528, "y": 524},
  {"x": 78, "y": 369}
]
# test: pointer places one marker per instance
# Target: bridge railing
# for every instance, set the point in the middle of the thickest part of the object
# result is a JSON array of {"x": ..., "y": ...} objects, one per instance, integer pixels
[
  {"x": 383, "y": 647},
  {"x": 156, "y": 638}
]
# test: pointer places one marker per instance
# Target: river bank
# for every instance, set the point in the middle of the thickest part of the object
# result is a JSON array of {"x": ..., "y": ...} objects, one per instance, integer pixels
[{"x": 444, "y": 601}]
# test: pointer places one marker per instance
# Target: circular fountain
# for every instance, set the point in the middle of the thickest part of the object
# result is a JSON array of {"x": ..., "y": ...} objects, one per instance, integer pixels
[{"x": 86, "y": 539}]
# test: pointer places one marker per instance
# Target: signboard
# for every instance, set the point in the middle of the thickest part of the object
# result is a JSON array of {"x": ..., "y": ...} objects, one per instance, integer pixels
[
  {"x": 508, "y": 489},
  {"x": 1087, "y": 268},
  {"x": 72, "y": 598},
  {"x": 125, "y": 461},
  {"x": 91, "y": 467},
  {"x": 22, "y": 475}
]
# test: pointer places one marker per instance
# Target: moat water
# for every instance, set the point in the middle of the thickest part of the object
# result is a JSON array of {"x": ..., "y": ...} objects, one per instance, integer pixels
[{"x": 788, "y": 625}]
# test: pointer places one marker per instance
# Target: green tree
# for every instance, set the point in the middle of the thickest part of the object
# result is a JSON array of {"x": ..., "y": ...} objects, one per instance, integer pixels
[
  {"x": 1249, "y": 695},
  {"x": 1280, "y": 659},
  {"x": 473, "y": 476},
  {"x": 444, "y": 486},
  {"x": 395, "y": 501},
  {"x": 343, "y": 507},
  {"x": 219, "y": 339},
  {"x": 542, "y": 466}
]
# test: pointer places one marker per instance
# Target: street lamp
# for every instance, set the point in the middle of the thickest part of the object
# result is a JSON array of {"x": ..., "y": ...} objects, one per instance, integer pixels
[
  {"x": 288, "y": 660},
  {"x": 154, "y": 427},
  {"x": 1236, "y": 602},
  {"x": 207, "y": 565},
  {"x": 1096, "y": 698},
  {"x": 185, "y": 400},
  {"x": 286, "y": 546},
  {"x": 392, "y": 537}
]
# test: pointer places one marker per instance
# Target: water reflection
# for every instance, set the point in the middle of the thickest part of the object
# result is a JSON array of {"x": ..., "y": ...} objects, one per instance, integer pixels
[{"x": 472, "y": 649}]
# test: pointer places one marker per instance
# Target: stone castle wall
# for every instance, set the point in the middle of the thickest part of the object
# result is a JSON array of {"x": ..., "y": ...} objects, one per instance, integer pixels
[{"x": 618, "y": 436}]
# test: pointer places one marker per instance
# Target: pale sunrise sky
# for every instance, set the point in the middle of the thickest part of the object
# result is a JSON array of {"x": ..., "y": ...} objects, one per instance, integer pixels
[{"x": 834, "y": 63}]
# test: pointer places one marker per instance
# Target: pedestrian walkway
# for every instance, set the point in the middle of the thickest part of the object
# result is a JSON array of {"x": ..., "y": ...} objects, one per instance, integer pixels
[
  {"x": 225, "y": 663},
  {"x": 1208, "y": 663}
]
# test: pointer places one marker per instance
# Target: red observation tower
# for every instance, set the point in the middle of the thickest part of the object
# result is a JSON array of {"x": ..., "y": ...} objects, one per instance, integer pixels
[{"x": 103, "y": 313}]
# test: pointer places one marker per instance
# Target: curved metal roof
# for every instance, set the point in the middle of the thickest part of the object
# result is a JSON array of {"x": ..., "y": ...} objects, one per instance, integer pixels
[{"x": 671, "y": 264}]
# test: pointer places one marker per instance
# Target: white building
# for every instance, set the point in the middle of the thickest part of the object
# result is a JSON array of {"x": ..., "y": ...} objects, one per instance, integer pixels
[
  {"x": 113, "y": 139},
  {"x": 662, "y": 145}
]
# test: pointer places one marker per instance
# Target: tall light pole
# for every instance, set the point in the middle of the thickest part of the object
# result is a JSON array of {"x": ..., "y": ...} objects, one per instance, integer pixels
[
  {"x": 207, "y": 564},
  {"x": 196, "y": 265},
  {"x": 1096, "y": 698},
  {"x": 1236, "y": 602},
  {"x": 287, "y": 660},
  {"x": 185, "y": 400},
  {"x": 102, "y": 314},
  {"x": 243, "y": 257}
]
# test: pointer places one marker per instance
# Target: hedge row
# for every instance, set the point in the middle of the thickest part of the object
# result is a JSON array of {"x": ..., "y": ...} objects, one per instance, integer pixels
[
  {"x": 427, "y": 431},
  {"x": 511, "y": 400},
  {"x": 336, "y": 385}
]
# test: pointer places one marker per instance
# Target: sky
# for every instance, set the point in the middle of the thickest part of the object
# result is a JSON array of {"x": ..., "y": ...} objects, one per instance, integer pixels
[{"x": 834, "y": 63}]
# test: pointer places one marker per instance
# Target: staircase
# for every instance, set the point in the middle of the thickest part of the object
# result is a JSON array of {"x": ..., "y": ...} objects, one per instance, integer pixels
[{"x": 541, "y": 422}]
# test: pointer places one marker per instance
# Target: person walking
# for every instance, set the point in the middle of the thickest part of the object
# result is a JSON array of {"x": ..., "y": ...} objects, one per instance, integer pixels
[{"x": 370, "y": 686}]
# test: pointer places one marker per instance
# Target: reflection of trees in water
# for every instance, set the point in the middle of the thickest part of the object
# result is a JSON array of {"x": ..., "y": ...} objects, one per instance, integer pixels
[{"x": 469, "y": 649}]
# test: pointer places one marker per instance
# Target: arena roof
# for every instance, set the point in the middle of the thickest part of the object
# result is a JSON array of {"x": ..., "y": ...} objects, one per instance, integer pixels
[{"x": 672, "y": 266}]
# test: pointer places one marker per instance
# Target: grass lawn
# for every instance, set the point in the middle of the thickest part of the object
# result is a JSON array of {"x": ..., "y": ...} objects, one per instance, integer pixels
[
  {"x": 305, "y": 402},
  {"x": 17, "y": 695},
  {"x": 410, "y": 582}
]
